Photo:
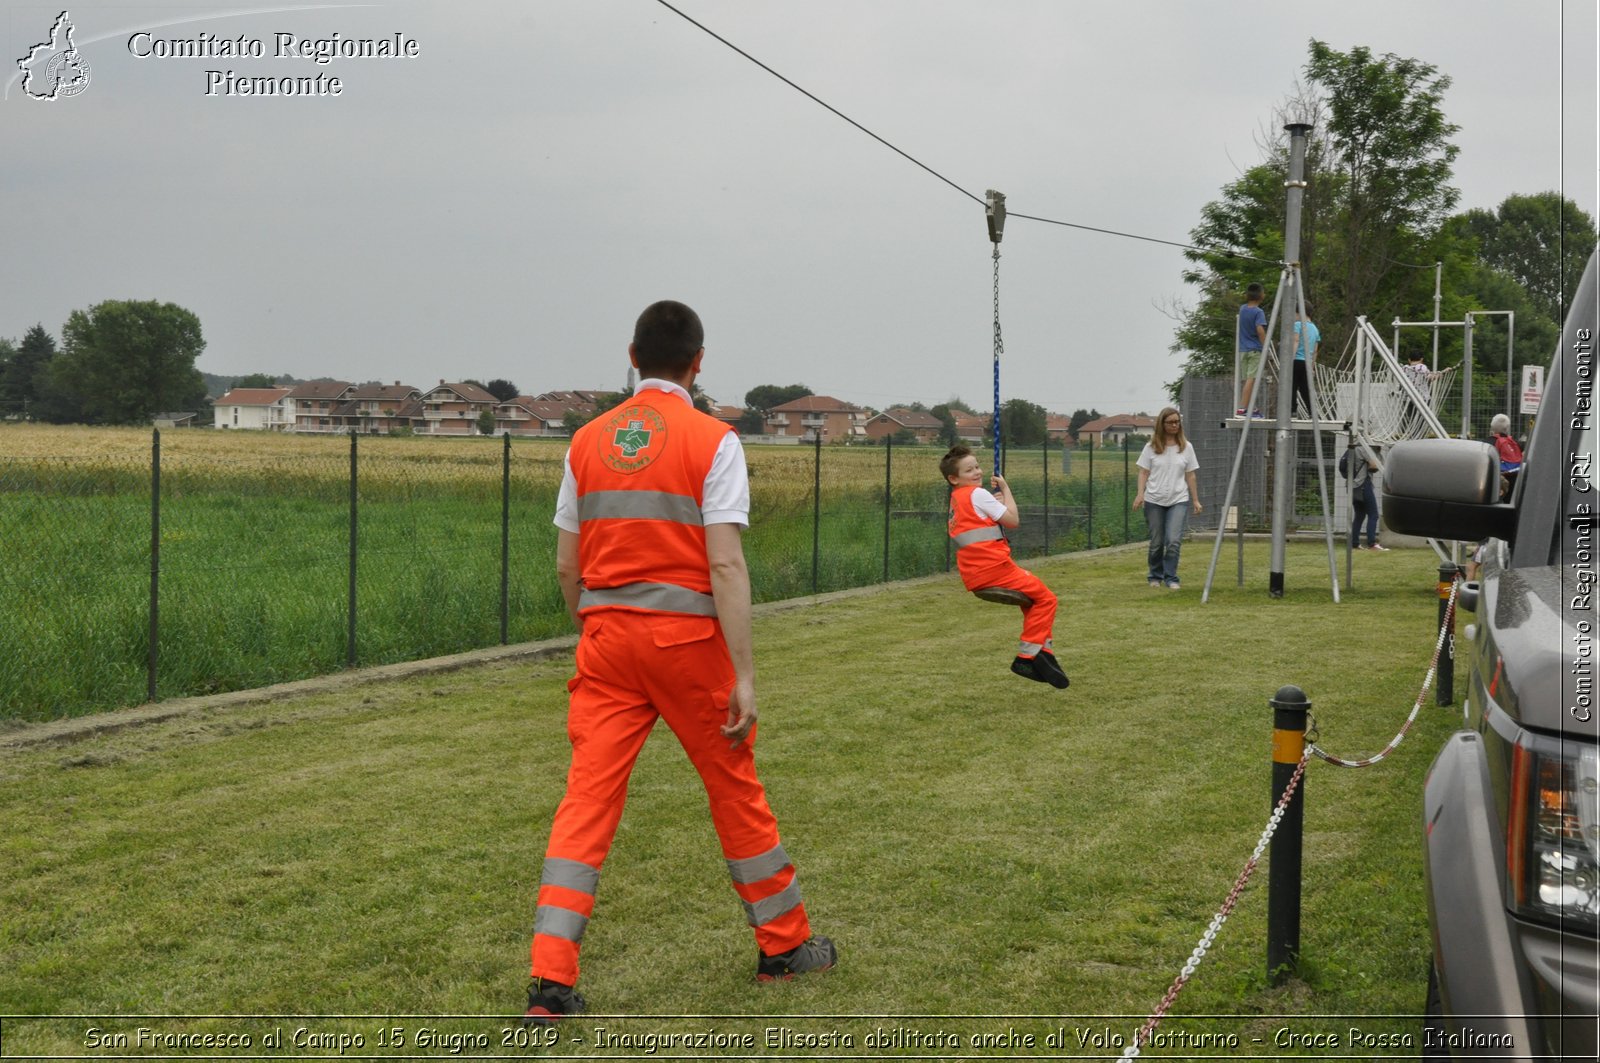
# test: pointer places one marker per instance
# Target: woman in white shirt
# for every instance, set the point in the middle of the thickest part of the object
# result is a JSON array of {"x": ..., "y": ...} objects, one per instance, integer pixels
[{"x": 1168, "y": 490}]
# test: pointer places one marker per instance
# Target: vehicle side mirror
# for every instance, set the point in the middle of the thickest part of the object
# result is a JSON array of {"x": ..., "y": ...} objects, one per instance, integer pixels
[{"x": 1445, "y": 489}]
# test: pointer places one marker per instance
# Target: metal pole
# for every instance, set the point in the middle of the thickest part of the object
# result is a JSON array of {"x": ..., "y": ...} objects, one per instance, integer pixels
[
  {"x": 155, "y": 563},
  {"x": 816, "y": 512},
  {"x": 1511, "y": 332},
  {"x": 1445, "y": 681},
  {"x": 1439, "y": 279},
  {"x": 1089, "y": 540},
  {"x": 1466, "y": 379},
  {"x": 350, "y": 635},
  {"x": 1127, "y": 503},
  {"x": 1046, "y": 446},
  {"x": 1283, "y": 479},
  {"x": 888, "y": 489},
  {"x": 1289, "y": 709},
  {"x": 505, "y": 541}
]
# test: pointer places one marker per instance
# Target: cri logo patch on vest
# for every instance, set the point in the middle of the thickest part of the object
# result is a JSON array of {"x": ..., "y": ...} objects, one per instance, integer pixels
[{"x": 633, "y": 438}]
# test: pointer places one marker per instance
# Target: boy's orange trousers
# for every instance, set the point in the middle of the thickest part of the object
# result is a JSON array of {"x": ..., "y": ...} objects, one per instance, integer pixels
[
  {"x": 1038, "y": 619},
  {"x": 634, "y": 667}
]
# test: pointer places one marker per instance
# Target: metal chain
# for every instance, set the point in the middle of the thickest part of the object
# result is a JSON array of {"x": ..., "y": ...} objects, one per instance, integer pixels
[
  {"x": 999, "y": 346},
  {"x": 1143, "y": 1036},
  {"x": 1445, "y": 630}
]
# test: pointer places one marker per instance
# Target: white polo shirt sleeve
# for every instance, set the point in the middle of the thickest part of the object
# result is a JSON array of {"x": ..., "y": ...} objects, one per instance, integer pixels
[{"x": 987, "y": 505}]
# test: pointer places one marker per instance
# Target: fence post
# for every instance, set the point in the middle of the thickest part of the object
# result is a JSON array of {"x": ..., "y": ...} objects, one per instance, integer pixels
[
  {"x": 505, "y": 540},
  {"x": 1127, "y": 503},
  {"x": 888, "y": 491},
  {"x": 1045, "y": 457},
  {"x": 816, "y": 512},
  {"x": 1445, "y": 694},
  {"x": 155, "y": 562},
  {"x": 1089, "y": 540},
  {"x": 350, "y": 637},
  {"x": 1289, "y": 709}
]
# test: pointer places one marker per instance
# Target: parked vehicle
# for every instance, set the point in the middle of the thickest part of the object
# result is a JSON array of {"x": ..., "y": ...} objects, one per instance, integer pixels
[{"x": 1511, "y": 807}]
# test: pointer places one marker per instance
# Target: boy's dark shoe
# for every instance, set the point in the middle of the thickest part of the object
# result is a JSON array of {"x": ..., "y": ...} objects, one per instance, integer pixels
[
  {"x": 1054, "y": 674},
  {"x": 1025, "y": 667},
  {"x": 813, "y": 954},
  {"x": 549, "y": 1001}
]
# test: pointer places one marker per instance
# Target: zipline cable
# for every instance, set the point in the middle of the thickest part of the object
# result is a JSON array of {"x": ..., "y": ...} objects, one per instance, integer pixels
[{"x": 1226, "y": 253}]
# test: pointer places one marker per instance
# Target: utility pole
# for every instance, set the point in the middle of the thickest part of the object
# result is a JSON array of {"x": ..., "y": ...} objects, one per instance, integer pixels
[{"x": 1285, "y": 439}]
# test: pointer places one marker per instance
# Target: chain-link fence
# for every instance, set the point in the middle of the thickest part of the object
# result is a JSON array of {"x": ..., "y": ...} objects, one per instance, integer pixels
[{"x": 148, "y": 566}]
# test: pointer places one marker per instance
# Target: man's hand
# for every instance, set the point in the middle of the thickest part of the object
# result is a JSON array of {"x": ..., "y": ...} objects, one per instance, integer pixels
[{"x": 741, "y": 712}]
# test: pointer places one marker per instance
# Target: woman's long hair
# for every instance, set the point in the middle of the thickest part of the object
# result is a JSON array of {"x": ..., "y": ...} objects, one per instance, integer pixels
[{"x": 1160, "y": 438}]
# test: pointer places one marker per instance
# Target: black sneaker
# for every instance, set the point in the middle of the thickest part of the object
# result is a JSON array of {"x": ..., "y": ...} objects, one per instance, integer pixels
[
  {"x": 1054, "y": 674},
  {"x": 813, "y": 954},
  {"x": 1026, "y": 667},
  {"x": 549, "y": 1001}
]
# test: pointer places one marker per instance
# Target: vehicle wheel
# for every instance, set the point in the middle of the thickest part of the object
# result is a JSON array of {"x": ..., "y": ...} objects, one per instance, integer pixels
[{"x": 1433, "y": 1028}]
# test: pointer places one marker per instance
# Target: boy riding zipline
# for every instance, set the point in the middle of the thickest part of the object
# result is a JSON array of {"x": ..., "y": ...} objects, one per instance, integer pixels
[{"x": 983, "y": 558}]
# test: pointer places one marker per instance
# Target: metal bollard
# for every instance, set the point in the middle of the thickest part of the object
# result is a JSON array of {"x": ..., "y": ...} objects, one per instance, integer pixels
[
  {"x": 1289, "y": 709},
  {"x": 1445, "y": 691}
]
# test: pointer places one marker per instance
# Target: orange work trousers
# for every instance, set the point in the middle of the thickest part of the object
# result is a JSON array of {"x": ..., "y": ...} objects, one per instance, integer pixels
[
  {"x": 1038, "y": 619},
  {"x": 632, "y": 668}
]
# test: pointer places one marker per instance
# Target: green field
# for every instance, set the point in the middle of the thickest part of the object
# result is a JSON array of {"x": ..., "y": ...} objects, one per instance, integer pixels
[
  {"x": 254, "y": 549},
  {"x": 978, "y": 845}
]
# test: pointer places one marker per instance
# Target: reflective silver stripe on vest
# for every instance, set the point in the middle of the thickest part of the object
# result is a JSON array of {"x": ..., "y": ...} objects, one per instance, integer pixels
[
  {"x": 755, "y": 868},
  {"x": 764, "y": 911},
  {"x": 639, "y": 505},
  {"x": 559, "y": 922},
  {"x": 570, "y": 874},
  {"x": 978, "y": 535},
  {"x": 657, "y": 597}
]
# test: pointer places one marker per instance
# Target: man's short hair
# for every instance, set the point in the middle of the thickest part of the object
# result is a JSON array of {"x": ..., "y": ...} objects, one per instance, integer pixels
[
  {"x": 1255, "y": 291},
  {"x": 948, "y": 463},
  {"x": 666, "y": 338}
]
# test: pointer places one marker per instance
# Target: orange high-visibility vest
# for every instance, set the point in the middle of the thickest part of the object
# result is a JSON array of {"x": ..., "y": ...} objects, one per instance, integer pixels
[
  {"x": 640, "y": 471},
  {"x": 979, "y": 540}
]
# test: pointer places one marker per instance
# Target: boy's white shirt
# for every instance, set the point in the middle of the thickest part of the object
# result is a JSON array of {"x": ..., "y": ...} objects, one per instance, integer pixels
[{"x": 987, "y": 505}]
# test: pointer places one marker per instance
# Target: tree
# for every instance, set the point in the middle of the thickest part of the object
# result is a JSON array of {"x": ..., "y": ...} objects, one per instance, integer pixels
[
  {"x": 25, "y": 375},
  {"x": 1022, "y": 423},
  {"x": 1081, "y": 417},
  {"x": 504, "y": 390},
  {"x": 486, "y": 422},
  {"x": 752, "y": 423},
  {"x": 256, "y": 380},
  {"x": 130, "y": 359},
  {"x": 1541, "y": 241},
  {"x": 764, "y": 397},
  {"x": 1378, "y": 165},
  {"x": 948, "y": 435}
]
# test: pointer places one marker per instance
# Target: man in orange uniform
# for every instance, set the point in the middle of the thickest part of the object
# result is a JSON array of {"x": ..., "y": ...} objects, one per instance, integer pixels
[
  {"x": 983, "y": 558},
  {"x": 648, "y": 554}
]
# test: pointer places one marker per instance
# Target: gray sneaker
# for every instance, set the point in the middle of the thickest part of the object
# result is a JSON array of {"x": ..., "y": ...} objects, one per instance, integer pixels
[{"x": 813, "y": 954}]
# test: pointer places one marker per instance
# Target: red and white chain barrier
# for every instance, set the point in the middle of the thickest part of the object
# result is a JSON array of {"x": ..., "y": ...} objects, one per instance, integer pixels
[
  {"x": 1143, "y": 1036},
  {"x": 1422, "y": 695}
]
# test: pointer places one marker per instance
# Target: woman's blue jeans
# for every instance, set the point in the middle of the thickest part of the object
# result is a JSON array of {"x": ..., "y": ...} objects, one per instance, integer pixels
[
  {"x": 1166, "y": 538},
  {"x": 1366, "y": 511}
]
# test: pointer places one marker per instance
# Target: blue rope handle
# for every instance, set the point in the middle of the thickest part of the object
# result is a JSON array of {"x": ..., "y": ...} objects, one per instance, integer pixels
[{"x": 998, "y": 347}]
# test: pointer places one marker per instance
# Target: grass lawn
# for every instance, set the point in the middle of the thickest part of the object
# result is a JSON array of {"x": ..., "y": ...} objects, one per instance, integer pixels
[{"x": 978, "y": 845}]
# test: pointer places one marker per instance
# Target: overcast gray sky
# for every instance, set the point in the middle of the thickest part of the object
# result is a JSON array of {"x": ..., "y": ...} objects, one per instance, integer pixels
[{"x": 505, "y": 202}]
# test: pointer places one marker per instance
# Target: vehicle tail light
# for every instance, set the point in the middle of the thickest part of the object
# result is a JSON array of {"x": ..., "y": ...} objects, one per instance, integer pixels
[{"x": 1553, "y": 832}]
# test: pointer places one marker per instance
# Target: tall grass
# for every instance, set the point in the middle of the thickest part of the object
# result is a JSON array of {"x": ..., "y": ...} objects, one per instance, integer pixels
[{"x": 254, "y": 549}]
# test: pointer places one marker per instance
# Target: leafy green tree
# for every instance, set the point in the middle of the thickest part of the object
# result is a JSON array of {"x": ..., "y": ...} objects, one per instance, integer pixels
[
  {"x": 948, "y": 435},
  {"x": 764, "y": 397},
  {"x": 256, "y": 380},
  {"x": 1081, "y": 417},
  {"x": 486, "y": 422},
  {"x": 25, "y": 375},
  {"x": 130, "y": 359},
  {"x": 1378, "y": 166},
  {"x": 751, "y": 423},
  {"x": 504, "y": 390},
  {"x": 1022, "y": 423},
  {"x": 1541, "y": 241}
]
